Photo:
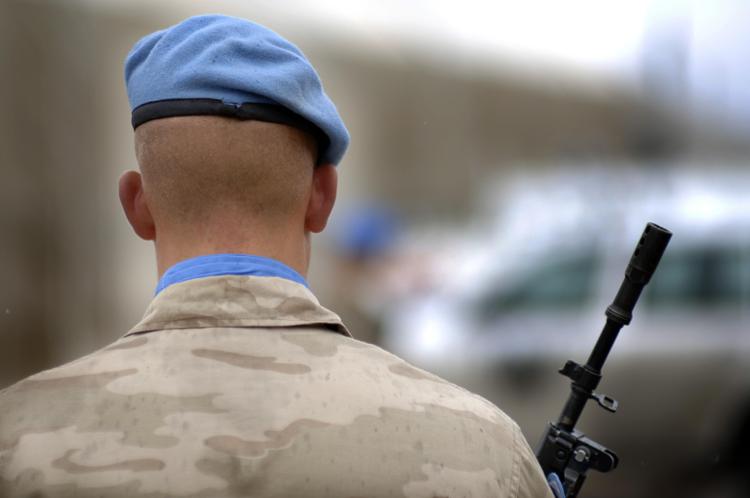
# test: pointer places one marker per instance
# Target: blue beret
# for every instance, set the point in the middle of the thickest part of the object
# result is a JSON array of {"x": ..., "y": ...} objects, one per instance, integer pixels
[{"x": 226, "y": 66}]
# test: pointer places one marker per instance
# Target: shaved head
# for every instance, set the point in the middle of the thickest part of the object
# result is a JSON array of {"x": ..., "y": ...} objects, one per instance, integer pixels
[{"x": 199, "y": 170}]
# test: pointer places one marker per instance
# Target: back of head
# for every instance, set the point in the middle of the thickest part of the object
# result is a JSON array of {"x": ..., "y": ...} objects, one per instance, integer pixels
[
  {"x": 230, "y": 120},
  {"x": 203, "y": 170}
]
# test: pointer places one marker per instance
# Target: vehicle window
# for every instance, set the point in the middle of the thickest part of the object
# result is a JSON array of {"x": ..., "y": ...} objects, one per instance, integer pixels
[
  {"x": 708, "y": 276},
  {"x": 558, "y": 284}
]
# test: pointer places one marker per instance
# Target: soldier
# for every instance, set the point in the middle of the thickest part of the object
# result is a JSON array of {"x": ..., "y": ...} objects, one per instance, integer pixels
[{"x": 237, "y": 382}]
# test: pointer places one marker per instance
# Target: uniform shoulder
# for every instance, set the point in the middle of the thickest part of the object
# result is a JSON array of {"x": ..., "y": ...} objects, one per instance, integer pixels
[
  {"x": 84, "y": 368},
  {"x": 425, "y": 385},
  {"x": 41, "y": 401},
  {"x": 457, "y": 436}
]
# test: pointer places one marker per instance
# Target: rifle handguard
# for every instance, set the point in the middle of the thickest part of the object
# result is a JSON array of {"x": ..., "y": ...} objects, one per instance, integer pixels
[{"x": 564, "y": 450}]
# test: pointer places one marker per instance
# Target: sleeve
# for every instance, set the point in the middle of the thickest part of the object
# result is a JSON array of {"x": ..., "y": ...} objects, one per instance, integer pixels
[{"x": 530, "y": 478}]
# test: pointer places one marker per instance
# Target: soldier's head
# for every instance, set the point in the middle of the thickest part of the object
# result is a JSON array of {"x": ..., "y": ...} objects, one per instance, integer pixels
[{"x": 234, "y": 137}]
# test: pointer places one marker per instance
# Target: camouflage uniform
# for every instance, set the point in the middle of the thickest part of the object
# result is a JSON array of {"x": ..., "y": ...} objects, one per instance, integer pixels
[{"x": 246, "y": 386}]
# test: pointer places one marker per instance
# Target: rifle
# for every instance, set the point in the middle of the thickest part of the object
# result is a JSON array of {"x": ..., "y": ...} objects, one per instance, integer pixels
[{"x": 564, "y": 450}]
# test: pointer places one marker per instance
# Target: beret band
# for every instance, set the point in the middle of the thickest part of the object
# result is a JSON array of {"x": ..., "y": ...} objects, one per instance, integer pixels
[{"x": 270, "y": 113}]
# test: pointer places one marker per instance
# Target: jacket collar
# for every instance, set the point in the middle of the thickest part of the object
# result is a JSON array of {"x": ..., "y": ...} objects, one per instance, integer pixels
[{"x": 236, "y": 301}]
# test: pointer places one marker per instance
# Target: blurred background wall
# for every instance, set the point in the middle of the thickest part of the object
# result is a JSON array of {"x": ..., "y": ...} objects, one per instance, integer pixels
[{"x": 455, "y": 108}]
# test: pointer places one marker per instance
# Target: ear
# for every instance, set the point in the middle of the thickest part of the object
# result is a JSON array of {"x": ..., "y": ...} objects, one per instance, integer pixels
[
  {"x": 322, "y": 198},
  {"x": 134, "y": 204}
]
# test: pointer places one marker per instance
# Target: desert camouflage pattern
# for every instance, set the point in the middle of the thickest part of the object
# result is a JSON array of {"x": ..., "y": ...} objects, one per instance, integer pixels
[{"x": 245, "y": 386}]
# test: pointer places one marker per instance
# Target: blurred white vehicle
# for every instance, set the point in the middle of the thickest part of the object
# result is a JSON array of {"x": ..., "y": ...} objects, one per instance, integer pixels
[{"x": 506, "y": 317}]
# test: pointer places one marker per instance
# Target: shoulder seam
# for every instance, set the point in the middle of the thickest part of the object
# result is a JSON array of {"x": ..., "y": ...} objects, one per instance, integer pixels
[{"x": 515, "y": 476}]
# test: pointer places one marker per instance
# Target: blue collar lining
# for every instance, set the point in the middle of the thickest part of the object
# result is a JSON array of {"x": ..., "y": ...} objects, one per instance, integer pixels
[{"x": 214, "y": 265}]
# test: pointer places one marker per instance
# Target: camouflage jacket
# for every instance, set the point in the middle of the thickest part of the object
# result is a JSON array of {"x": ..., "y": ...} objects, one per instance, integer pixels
[{"x": 246, "y": 386}]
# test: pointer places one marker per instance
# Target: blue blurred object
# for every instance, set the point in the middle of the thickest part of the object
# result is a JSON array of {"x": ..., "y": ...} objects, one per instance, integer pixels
[{"x": 367, "y": 232}]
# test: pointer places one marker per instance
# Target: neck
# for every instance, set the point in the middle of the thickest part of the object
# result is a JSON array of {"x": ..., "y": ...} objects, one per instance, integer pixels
[{"x": 292, "y": 249}]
